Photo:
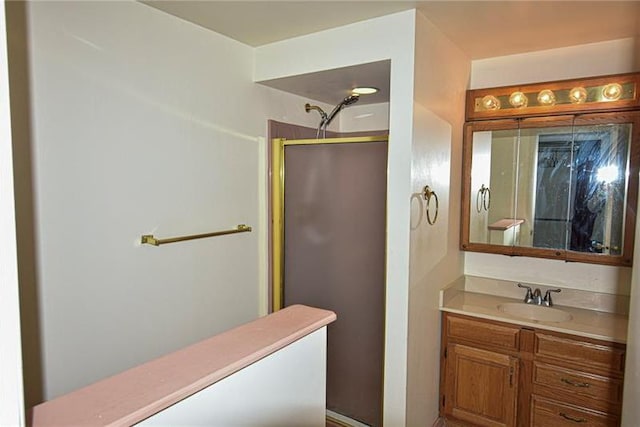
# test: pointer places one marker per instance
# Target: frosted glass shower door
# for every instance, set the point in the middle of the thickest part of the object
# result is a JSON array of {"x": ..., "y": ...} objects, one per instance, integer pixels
[{"x": 334, "y": 258}]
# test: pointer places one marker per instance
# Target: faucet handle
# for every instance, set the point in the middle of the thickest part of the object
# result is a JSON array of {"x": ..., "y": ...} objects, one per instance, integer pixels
[
  {"x": 528, "y": 298},
  {"x": 547, "y": 296}
]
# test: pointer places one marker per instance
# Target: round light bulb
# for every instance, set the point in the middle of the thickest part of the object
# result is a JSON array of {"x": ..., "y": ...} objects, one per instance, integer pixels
[
  {"x": 578, "y": 95},
  {"x": 612, "y": 92},
  {"x": 490, "y": 102},
  {"x": 518, "y": 100},
  {"x": 546, "y": 97}
]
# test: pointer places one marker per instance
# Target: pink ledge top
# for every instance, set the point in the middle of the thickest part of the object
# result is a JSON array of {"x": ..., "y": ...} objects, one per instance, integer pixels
[
  {"x": 145, "y": 390},
  {"x": 505, "y": 224}
]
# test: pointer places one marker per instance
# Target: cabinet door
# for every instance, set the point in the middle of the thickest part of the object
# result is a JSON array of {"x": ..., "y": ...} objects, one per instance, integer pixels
[{"x": 481, "y": 386}]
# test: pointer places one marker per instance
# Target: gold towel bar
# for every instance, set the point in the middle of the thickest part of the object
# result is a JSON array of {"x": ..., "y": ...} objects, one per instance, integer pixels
[{"x": 150, "y": 240}]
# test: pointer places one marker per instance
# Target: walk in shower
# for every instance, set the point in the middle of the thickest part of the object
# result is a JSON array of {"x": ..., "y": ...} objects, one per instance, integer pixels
[{"x": 329, "y": 231}]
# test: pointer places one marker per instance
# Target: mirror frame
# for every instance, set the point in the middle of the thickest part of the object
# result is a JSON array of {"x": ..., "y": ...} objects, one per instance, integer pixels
[{"x": 507, "y": 122}]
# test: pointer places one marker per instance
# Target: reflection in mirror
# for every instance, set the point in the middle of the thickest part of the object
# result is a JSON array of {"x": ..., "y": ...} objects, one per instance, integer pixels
[
  {"x": 544, "y": 182},
  {"x": 599, "y": 182},
  {"x": 550, "y": 184},
  {"x": 493, "y": 185},
  {"x": 552, "y": 188},
  {"x": 575, "y": 192}
]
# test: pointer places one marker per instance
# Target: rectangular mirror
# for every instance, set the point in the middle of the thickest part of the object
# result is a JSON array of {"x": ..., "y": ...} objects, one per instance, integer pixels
[{"x": 561, "y": 187}]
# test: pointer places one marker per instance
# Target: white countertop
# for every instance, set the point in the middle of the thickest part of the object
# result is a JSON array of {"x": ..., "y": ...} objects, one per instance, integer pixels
[{"x": 587, "y": 323}]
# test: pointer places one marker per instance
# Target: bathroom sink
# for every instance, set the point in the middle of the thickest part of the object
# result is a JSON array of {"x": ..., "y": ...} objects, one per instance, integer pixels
[{"x": 534, "y": 312}]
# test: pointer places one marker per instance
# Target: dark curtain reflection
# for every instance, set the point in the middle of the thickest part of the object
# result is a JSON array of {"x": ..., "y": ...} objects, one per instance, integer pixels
[{"x": 587, "y": 204}]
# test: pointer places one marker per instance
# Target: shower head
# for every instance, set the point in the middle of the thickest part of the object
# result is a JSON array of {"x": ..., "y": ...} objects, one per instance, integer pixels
[
  {"x": 351, "y": 99},
  {"x": 326, "y": 119},
  {"x": 308, "y": 107}
]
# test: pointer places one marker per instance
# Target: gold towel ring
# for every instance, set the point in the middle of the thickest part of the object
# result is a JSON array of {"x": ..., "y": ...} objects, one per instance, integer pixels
[{"x": 427, "y": 193}]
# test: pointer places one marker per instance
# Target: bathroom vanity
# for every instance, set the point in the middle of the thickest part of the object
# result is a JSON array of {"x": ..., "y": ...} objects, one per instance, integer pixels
[
  {"x": 550, "y": 170},
  {"x": 507, "y": 369}
]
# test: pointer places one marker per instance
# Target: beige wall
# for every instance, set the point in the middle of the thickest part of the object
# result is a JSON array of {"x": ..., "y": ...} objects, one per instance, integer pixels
[
  {"x": 594, "y": 59},
  {"x": 364, "y": 117},
  {"x": 12, "y": 402},
  {"x": 480, "y": 176},
  {"x": 630, "y": 410},
  {"x": 630, "y": 407},
  {"x": 442, "y": 74},
  {"x": 617, "y": 56},
  {"x": 503, "y": 157},
  {"x": 23, "y": 170},
  {"x": 141, "y": 123}
]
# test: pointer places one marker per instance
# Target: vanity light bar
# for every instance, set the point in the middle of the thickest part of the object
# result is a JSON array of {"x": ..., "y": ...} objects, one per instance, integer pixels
[
  {"x": 568, "y": 96},
  {"x": 549, "y": 98}
]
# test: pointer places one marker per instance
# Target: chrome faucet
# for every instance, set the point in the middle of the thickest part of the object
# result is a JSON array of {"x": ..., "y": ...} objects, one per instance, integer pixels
[
  {"x": 528, "y": 298},
  {"x": 535, "y": 297},
  {"x": 547, "y": 297}
]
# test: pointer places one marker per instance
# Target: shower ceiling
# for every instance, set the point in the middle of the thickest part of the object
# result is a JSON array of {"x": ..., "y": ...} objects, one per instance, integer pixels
[{"x": 331, "y": 86}]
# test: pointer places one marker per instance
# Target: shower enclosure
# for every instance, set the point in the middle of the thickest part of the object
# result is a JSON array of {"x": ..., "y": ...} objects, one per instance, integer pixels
[{"x": 329, "y": 217}]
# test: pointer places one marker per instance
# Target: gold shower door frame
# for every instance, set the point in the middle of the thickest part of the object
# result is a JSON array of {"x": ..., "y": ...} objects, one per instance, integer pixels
[{"x": 277, "y": 202}]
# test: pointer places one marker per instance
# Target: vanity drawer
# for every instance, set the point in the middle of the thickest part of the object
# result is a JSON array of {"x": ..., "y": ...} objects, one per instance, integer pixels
[
  {"x": 484, "y": 332},
  {"x": 545, "y": 413},
  {"x": 567, "y": 350},
  {"x": 568, "y": 382}
]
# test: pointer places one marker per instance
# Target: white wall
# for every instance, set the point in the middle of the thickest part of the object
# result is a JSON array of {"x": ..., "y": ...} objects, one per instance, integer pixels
[
  {"x": 286, "y": 388},
  {"x": 441, "y": 78},
  {"x": 480, "y": 176},
  {"x": 389, "y": 37},
  {"x": 143, "y": 123},
  {"x": 364, "y": 117},
  {"x": 588, "y": 60},
  {"x": 12, "y": 403},
  {"x": 630, "y": 407},
  {"x": 613, "y": 57}
]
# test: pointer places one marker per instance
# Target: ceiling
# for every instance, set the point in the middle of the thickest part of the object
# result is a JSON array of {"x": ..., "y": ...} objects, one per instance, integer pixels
[
  {"x": 331, "y": 86},
  {"x": 481, "y": 29}
]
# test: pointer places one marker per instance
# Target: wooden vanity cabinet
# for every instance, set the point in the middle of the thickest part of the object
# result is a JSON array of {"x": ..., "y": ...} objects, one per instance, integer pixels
[
  {"x": 576, "y": 380},
  {"x": 480, "y": 368},
  {"x": 499, "y": 374},
  {"x": 483, "y": 386}
]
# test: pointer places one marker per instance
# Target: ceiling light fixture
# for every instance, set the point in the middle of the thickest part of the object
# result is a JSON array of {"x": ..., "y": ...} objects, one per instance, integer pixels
[{"x": 364, "y": 90}]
